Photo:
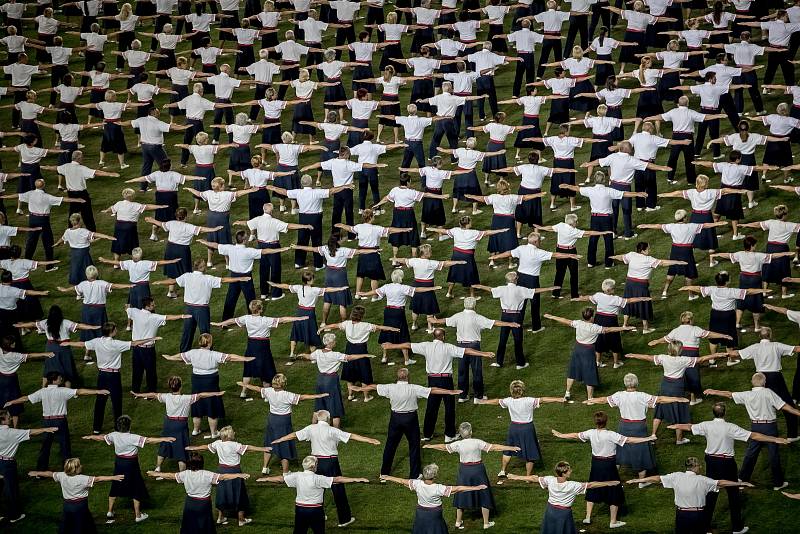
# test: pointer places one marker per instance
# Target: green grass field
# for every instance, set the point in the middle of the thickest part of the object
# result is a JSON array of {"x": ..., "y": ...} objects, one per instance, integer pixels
[{"x": 381, "y": 508}]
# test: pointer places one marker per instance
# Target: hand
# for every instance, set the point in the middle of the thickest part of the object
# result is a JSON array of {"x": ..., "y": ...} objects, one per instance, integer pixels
[{"x": 103, "y": 392}]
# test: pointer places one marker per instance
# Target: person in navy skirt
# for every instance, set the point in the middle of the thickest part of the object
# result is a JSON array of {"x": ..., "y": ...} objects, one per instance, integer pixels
[
  {"x": 205, "y": 364},
  {"x": 779, "y": 233},
  {"x": 428, "y": 518},
  {"x": 126, "y": 447},
  {"x": 521, "y": 432},
  {"x": 604, "y": 468},
  {"x": 232, "y": 493},
  {"x": 279, "y": 421},
  {"x": 126, "y": 229},
  {"x": 562, "y": 492},
  {"x": 79, "y": 239},
  {"x": 76, "y": 518},
  {"x": 10, "y": 362},
  {"x": 582, "y": 364},
  {"x": 357, "y": 331},
  {"x": 329, "y": 362},
  {"x": 472, "y": 472}
]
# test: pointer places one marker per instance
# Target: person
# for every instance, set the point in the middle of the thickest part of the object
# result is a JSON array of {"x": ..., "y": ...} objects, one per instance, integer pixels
[
  {"x": 11, "y": 438},
  {"x": 779, "y": 233},
  {"x": 357, "y": 332},
  {"x": 197, "y": 514},
  {"x": 762, "y": 405},
  {"x": 279, "y": 423},
  {"x": 79, "y": 239},
  {"x": 582, "y": 364},
  {"x": 126, "y": 230},
  {"x": 108, "y": 352},
  {"x": 258, "y": 329},
  {"x": 328, "y": 363},
  {"x": 325, "y": 441},
  {"x": 605, "y": 444},
  {"x": 428, "y": 517},
  {"x": 561, "y": 494},
  {"x": 139, "y": 271},
  {"x": 521, "y": 431},
  {"x": 310, "y": 486},
  {"x": 394, "y": 314},
  {"x": 205, "y": 364},
  {"x": 637, "y": 283},
  {"x": 404, "y": 421},
  {"x": 177, "y": 409},
  {"x": 126, "y": 463},
  {"x": 720, "y": 464},
  {"x": 512, "y": 299},
  {"x": 75, "y": 516},
  {"x": 633, "y": 405},
  {"x": 472, "y": 472},
  {"x": 673, "y": 384},
  {"x": 692, "y": 491},
  {"x": 196, "y": 297},
  {"x": 766, "y": 356},
  {"x": 54, "y": 400},
  {"x": 231, "y": 494},
  {"x": 439, "y": 358},
  {"x": 683, "y": 235},
  {"x": 10, "y": 362}
]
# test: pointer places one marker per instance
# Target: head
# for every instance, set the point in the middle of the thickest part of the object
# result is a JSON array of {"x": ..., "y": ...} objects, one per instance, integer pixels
[
  {"x": 503, "y": 187},
  {"x": 205, "y": 341},
  {"x": 692, "y": 464},
  {"x": 701, "y": 182},
  {"x": 759, "y": 380},
  {"x": 397, "y": 276},
  {"x": 600, "y": 419},
  {"x": 123, "y": 423},
  {"x": 72, "y": 467},
  {"x": 534, "y": 239},
  {"x": 109, "y": 329},
  {"x": 683, "y": 101},
  {"x": 587, "y": 314},
  {"x": 92, "y": 273},
  {"x": 439, "y": 334},
  {"x": 626, "y": 147},
  {"x": 687, "y": 317},
  {"x": 517, "y": 389},
  {"x": 287, "y": 138},
  {"x": 195, "y": 462},
  {"x": 470, "y": 142},
  {"x": 411, "y": 109},
  {"x": 430, "y": 472},
  {"x": 310, "y": 464},
  {"x": 174, "y": 384},
  {"x": 279, "y": 381},
  {"x": 749, "y": 243},
  {"x": 54, "y": 378},
  {"x": 630, "y": 381},
  {"x": 782, "y": 109},
  {"x": 357, "y": 313},
  {"x": 75, "y": 220},
  {"x": 402, "y": 374},
  {"x": 321, "y": 416},
  {"x": 608, "y": 285},
  {"x": 562, "y": 470},
  {"x": 642, "y": 247},
  {"x": 149, "y": 304},
  {"x": 766, "y": 333},
  {"x": 465, "y": 221},
  {"x": 780, "y": 211},
  {"x": 306, "y": 180},
  {"x": 425, "y": 251},
  {"x": 329, "y": 340},
  {"x": 307, "y": 278},
  {"x": 718, "y": 409},
  {"x": 681, "y": 216},
  {"x": 199, "y": 265},
  {"x": 227, "y": 433},
  {"x": 722, "y": 278},
  {"x": 181, "y": 214},
  {"x": 674, "y": 348},
  {"x": 465, "y": 430},
  {"x": 256, "y": 307},
  {"x": 512, "y": 277},
  {"x": 602, "y": 110}
]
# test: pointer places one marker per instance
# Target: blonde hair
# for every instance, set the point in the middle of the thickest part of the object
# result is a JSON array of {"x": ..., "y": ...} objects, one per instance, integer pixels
[
  {"x": 397, "y": 276},
  {"x": 687, "y": 317},
  {"x": 72, "y": 467},
  {"x": 608, "y": 285},
  {"x": 516, "y": 388},
  {"x": 256, "y": 307},
  {"x": 136, "y": 254},
  {"x": 205, "y": 341},
  {"x": 91, "y": 273},
  {"x": 779, "y": 211},
  {"x": 279, "y": 381},
  {"x": 226, "y": 433},
  {"x": 201, "y": 138},
  {"x": 680, "y": 215},
  {"x": 503, "y": 187},
  {"x": 75, "y": 219}
]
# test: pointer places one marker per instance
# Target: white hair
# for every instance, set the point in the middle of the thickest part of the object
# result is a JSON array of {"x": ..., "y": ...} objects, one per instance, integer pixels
[
  {"x": 630, "y": 380},
  {"x": 680, "y": 215},
  {"x": 328, "y": 338},
  {"x": 429, "y": 472},
  {"x": 608, "y": 285},
  {"x": 91, "y": 272},
  {"x": 465, "y": 430},
  {"x": 310, "y": 463},
  {"x": 397, "y": 276}
]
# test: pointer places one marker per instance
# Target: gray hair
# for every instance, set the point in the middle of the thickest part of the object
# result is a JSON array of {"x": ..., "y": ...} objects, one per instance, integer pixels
[
  {"x": 471, "y": 142},
  {"x": 465, "y": 430},
  {"x": 759, "y": 380},
  {"x": 287, "y": 137},
  {"x": 680, "y": 215},
  {"x": 310, "y": 463},
  {"x": 630, "y": 380},
  {"x": 328, "y": 338},
  {"x": 600, "y": 178},
  {"x": 469, "y": 303},
  {"x": 91, "y": 272},
  {"x": 571, "y": 219},
  {"x": 242, "y": 119},
  {"x": 329, "y": 54},
  {"x": 136, "y": 254},
  {"x": 429, "y": 472},
  {"x": 608, "y": 285},
  {"x": 397, "y": 276},
  {"x": 322, "y": 416},
  {"x": 306, "y": 180}
]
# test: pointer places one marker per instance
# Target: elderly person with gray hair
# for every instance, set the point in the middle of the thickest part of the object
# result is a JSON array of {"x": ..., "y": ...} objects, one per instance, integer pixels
[
  {"x": 762, "y": 405},
  {"x": 683, "y": 234},
  {"x": 472, "y": 472},
  {"x": 329, "y": 362},
  {"x": 308, "y": 511},
  {"x": 446, "y": 104},
  {"x": 428, "y": 518},
  {"x": 633, "y": 405},
  {"x": 325, "y": 441}
]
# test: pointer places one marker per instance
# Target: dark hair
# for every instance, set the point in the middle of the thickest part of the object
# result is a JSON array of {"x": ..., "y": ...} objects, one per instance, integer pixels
[
  {"x": 734, "y": 155},
  {"x": 463, "y": 16},
  {"x": 749, "y": 242},
  {"x": 722, "y": 278},
  {"x": 587, "y": 313},
  {"x": 357, "y": 313},
  {"x": 15, "y": 251},
  {"x": 174, "y": 383},
  {"x": 195, "y": 461},
  {"x": 361, "y": 93},
  {"x": 600, "y": 419},
  {"x": 55, "y": 316},
  {"x": 641, "y": 246},
  {"x": 368, "y": 135},
  {"x": 333, "y": 243},
  {"x": 7, "y": 343},
  {"x": 240, "y": 236},
  {"x": 602, "y": 35},
  {"x": 721, "y": 57},
  {"x": 719, "y": 410},
  {"x": 533, "y": 158},
  {"x": 29, "y": 140},
  {"x": 143, "y": 77},
  {"x": 147, "y": 301},
  {"x": 744, "y": 130},
  {"x": 52, "y": 377},
  {"x": 123, "y": 423},
  {"x": 404, "y": 178},
  {"x": 5, "y": 277},
  {"x": 181, "y": 214},
  {"x": 165, "y": 165},
  {"x": 611, "y": 83},
  {"x": 108, "y": 328},
  {"x": 709, "y": 76},
  {"x": 717, "y": 11},
  {"x": 558, "y": 71}
]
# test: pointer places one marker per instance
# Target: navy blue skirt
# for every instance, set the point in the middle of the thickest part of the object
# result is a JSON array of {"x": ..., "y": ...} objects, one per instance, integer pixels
[
  {"x": 466, "y": 184},
  {"x": 303, "y": 113},
  {"x": 530, "y": 211},
  {"x": 504, "y": 241},
  {"x": 637, "y": 456},
  {"x": 607, "y": 342},
  {"x": 535, "y": 131},
  {"x": 132, "y": 485},
  {"x": 263, "y": 366},
  {"x": 334, "y": 93},
  {"x": 603, "y": 470},
  {"x": 523, "y": 435},
  {"x": 9, "y": 390},
  {"x": 559, "y": 111},
  {"x": 751, "y": 303},
  {"x": 582, "y": 365},
  {"x": 674, "y": 412},
  {"x": 137, "y": 294},
  {"x": 277, "y": 427},
  {"x": 62, "y": 363},
  {"x": 182, "y": 252},
  {"x": 724, "y": 322},
  {"x": 707, "y": 238},
  {"x": 395, "y": 318},
  {"x": 433, "y": 209},
  {"x": 170, "y": 200},
  {"x": 557, "y": 520},
  {"x": 288, "y": 182},
  {"x": 582, "y": 103},
  {"x": 490, "y": 163},
  {"x": 730, "y": 206},
  {"x": 465, "y": 274},
  {"x": 638, "y": 288},
  {"x": 219, "y": 218},
  {"x": 329, "y": 383},
  {"x": 211, "y": 407},
  {"x": 683, "y": 253},
  {"x": 559, "y": 178},
  {"x": 232, "y": 494},
  {"x": 779, "y": 268},
  {"x": 113, "y": 139},
  {"x": 357, "y": 371},
  {"x": 127, "y": 234},
  {"x": 95, "y": 316},
  {"x": 336, "y": 277},
  {"x": 79, "y": 260},
  {"x": 76, "y": 518},
  {"x": 473, "y": 474},
  {"x": 256, "y": 201},
  {"x": 175, "y": 428},
  {"x": 306, "y": 331},
  {"x": 649, "y": 104},
  {"x": 198, "y": 517},
  {"x": 404, "y": 218},
  {"x": 429, "y": 521},
  {"x": 370, "y": 266},
  {"x": 208, "y": 173},
  {"x": 333, "y": 146},
  {"x": 240, "y": 158},
  {"x": 424, "y": 302}
]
